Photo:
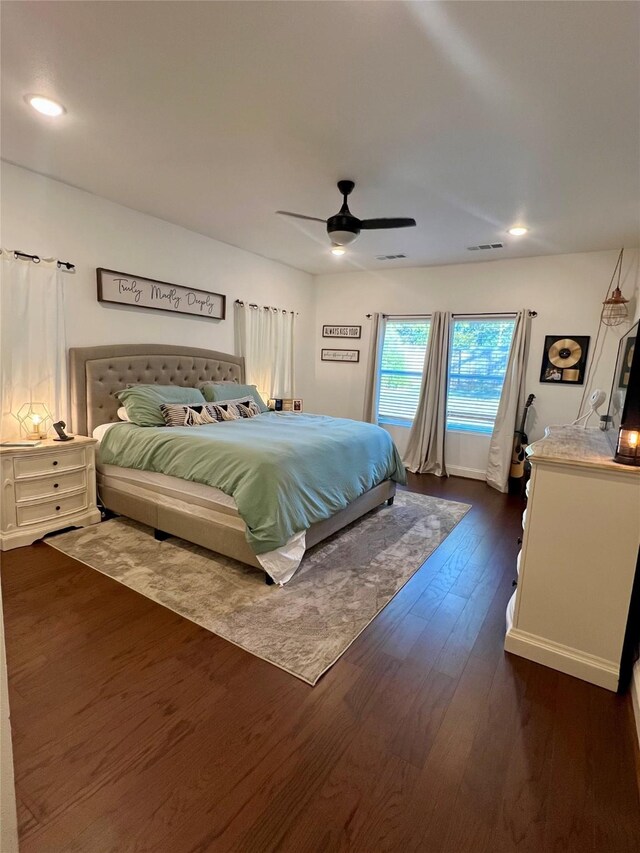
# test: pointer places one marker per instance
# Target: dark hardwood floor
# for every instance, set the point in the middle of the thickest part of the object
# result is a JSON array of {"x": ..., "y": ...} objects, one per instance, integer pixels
[{"x": 135, "y": 730}]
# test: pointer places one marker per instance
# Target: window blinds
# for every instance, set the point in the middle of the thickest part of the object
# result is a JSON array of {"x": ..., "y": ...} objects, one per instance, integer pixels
[{"x": 402, "y": 361}]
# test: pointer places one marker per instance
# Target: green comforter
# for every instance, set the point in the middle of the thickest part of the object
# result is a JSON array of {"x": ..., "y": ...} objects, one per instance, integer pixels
[{"x": 285, "y": 471}]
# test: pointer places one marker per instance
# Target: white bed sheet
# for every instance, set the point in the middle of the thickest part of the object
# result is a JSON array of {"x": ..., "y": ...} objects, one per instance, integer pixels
[
  {"x": 204, "y": 495},
  {"x": 280, "y": 564}
]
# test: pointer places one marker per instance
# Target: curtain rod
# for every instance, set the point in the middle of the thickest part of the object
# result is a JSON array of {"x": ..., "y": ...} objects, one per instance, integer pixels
[
  {"x": 474, "y": 314},
  {"x": 66, "y": 266},
  {"x": 266, "y": 307}
]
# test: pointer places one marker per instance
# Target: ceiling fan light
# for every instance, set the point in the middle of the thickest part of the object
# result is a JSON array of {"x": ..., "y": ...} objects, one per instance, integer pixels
[
  {"x": 342, "y": 238},
  {"x": 338, "y": 250}
]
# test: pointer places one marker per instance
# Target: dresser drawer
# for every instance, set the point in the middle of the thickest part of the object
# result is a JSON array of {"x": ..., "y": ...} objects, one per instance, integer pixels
[
  {"x": 49, "y": 510},
  {"x": 51, "y": 487},
  {"x": 48, "y": 463}
]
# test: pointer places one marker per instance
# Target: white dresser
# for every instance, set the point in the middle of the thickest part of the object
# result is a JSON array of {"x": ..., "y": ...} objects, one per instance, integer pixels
[
  {"x": 578, "y": 559},
  {"x": 46, "y": 488}
]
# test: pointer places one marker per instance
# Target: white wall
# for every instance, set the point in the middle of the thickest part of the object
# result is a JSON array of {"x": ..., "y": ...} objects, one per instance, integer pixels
[
  {"x": 566, "y": 291},
  {"x": 45, "y": 217}
]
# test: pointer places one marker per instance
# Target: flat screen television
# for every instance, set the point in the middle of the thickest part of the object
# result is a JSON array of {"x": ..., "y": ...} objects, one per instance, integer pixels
[{"x": 621, "y": 379}]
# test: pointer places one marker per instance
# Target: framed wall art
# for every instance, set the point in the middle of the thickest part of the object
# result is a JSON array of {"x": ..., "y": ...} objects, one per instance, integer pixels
[
  {"x": 625, "y": 357},
  {"x": 341, "y": 331},
  {"x": 139, "y": 292},
  {"x": 564, "y": 359},
  {"x": 351, "y": 356}
]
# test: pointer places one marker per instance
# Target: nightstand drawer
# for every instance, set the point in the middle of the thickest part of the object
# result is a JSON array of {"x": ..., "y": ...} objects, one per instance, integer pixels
[
  {"x": 50, "y": 487},
  {"x": 48, "y": 463},
  {"x": 49, "y": 510}
]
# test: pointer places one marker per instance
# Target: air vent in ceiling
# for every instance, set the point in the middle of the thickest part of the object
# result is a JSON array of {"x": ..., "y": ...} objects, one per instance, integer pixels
[
  {"x": 389, "y": 257},
  {"x": 485, "y": 246}
]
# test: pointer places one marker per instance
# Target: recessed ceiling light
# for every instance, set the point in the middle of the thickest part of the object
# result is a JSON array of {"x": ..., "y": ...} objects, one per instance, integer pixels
[
  {"x": 45, "y": 105},
  {"x": 518, "y": 231},
  {"x": 338, "y": 250}
]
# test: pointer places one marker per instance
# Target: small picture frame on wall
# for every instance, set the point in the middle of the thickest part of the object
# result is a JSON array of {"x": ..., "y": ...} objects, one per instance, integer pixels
[
  {"x": 341, "y": 331},
  {"x": 349, "y": 356},
  {"x": 564, "y": 359}
]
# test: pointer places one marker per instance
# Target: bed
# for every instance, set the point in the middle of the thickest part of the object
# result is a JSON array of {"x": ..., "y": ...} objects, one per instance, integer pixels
[{"x": 171, "y": 505}]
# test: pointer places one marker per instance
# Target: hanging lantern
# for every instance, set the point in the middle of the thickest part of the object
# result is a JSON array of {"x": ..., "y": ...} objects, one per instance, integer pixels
[{"x": 614, "y": 308}]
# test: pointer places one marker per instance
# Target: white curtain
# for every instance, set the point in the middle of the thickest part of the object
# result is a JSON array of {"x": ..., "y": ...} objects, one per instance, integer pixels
[
  {"x": 511, "y": 402},
  {"x": 370, "y": 411},
  {"x": 265, "y": 337},
  {"x": 32, "y": 339},
  {"x": 425, "y": 448}
]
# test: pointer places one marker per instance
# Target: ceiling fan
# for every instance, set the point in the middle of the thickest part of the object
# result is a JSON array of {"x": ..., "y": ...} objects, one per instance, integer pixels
[{"x": 343, "y": 228}]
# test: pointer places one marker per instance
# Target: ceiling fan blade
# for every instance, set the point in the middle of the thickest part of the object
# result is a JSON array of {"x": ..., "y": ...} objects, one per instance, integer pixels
[
  {"x": 372, "y": 224},
  {"x": 300, "y": 216}
]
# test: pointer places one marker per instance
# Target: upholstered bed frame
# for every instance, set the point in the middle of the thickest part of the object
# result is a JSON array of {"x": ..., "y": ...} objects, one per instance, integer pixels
[{"x": 96, "y": 373}]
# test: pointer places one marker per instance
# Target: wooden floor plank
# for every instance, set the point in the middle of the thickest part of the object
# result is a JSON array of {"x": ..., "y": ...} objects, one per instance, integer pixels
[
  {"x": 520, "y": 820},
  {"x": 570, "y": 814}
]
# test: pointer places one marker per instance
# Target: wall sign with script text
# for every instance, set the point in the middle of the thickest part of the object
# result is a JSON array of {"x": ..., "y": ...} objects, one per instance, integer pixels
[
  {"x": 341, "y": 331},
  {"x": 346, "y": 355},
  {"x": 141, "y": 292}
]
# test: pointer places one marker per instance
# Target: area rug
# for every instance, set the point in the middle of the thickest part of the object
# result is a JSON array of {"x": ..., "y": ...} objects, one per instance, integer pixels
[{"x": 303, "y": 627}]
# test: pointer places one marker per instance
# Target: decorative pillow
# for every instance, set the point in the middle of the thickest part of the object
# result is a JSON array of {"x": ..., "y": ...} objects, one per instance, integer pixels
[
  {"x": 245, "y": 406},
  {"x": 216, "y": 392},
  {"x": 122, "y": 414},
  {"x": 176, "y": 414},
  {"x": 143, "y": 402}
]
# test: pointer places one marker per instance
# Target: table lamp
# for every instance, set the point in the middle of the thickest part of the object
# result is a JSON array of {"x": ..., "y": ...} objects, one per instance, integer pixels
[{"x": 34, "y": 419}]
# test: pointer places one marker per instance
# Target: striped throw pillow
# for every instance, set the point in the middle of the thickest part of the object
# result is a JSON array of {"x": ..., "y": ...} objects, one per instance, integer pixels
[
  {"x": 177, "y": 414},
  {"x": 245, "y": 406}
]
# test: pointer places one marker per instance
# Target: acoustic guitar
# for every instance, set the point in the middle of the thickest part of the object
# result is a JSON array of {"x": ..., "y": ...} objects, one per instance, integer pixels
[{"x": 518, "y": 455}]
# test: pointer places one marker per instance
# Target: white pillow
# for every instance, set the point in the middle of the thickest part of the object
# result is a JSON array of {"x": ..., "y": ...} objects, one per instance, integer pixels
[{"x": 122, "y": 414}]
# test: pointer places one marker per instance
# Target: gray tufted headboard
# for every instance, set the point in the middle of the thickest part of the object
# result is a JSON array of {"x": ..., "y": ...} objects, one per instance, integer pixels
[{"x": 96, "y": 373}]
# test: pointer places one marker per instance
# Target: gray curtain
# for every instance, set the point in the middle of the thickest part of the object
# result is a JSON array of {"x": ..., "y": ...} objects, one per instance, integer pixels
[
  {"x": 425, "y": 450},
  {"x": 370, "y": 411},
  {"x": 511, "y": 403}
]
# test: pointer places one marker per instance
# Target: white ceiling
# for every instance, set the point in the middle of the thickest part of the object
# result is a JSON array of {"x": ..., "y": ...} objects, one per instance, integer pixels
[{"x": 468, "y": 116}]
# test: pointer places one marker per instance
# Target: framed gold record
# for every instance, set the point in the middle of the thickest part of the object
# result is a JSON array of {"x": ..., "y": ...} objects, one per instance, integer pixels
[{"x": 564, "y": 359}]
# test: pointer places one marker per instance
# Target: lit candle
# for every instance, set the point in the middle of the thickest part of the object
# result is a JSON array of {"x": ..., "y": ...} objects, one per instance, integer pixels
[{"x": 627, "y": 450}]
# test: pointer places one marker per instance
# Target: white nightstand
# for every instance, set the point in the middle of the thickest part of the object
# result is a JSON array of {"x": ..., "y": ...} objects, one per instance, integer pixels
[{"x": 46, "y": 488}]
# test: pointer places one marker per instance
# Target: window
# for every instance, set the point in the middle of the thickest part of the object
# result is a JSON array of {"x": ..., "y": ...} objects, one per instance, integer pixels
[
  {"x": 401, "y": 365},
  {"x": 477, "y": 365}
]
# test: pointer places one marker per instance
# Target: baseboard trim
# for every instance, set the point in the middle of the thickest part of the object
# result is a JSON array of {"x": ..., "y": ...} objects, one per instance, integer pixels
[
  {"x": 590, "y": 668},
  {"x": 469, "y": 473}
]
